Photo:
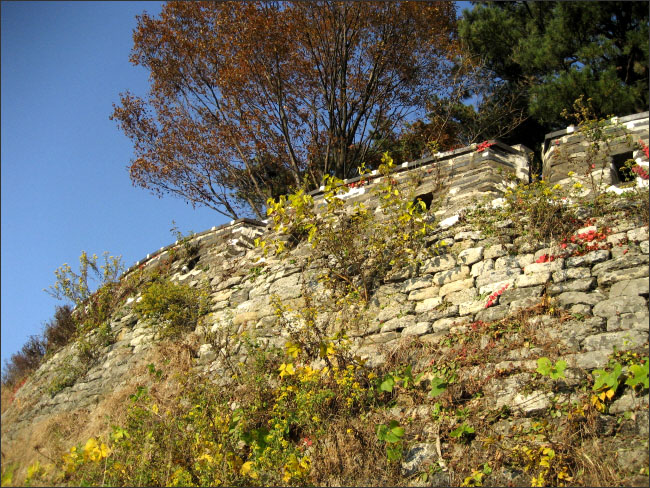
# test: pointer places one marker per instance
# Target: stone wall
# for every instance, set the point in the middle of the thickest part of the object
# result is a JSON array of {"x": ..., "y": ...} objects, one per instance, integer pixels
[{"x": 605, "y": 293}]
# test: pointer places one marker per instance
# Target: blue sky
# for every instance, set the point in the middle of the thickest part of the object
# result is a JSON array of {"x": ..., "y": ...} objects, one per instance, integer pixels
[
  {"x": 64, "y": 183},
  {"x": 65, "y": 187}
]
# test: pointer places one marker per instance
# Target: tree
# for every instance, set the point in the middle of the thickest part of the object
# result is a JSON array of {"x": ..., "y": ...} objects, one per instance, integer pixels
[
  {"x": 554, "y": 52},
  {"x": 249, "y": 99}
]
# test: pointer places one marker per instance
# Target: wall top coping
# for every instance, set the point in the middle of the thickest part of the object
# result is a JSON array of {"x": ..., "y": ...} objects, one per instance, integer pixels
[
  {"x": 548, "y": 138},
  {"x": 432, "y": 160}
]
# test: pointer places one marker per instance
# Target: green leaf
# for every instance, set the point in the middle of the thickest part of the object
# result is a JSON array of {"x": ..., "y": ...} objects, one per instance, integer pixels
[
  {"x": 438, "y": 385},
  {"x": 638, "y": 375},
  {"x": 387, "y": 384}
]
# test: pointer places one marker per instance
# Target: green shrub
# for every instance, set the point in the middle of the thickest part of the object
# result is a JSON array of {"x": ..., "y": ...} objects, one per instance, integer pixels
[{"x": 176, "y": 308}]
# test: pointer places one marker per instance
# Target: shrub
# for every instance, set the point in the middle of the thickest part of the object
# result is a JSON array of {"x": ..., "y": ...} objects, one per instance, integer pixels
[
  {"x": 59, "y": 330},
  {"x": 23, "y": 362},
  {"x": 176, "y": 308}
]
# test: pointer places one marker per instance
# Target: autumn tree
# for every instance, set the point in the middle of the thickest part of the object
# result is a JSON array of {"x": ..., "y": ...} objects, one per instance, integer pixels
[{"x": 249, "y": 99}]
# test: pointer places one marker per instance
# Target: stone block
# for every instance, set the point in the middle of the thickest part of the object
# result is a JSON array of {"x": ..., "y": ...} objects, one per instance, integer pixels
[
  {"x": 623, "y": 262},
  {"x": 622, "y": 340},
  {"x": 418, "y": 329},
  {"x": 643, "y": 246},
  {"x": 512, "y": 294},
  {"x": 552, "y": 266},
  {"x": 620, "y": 304},
  {"x": 493, "y": 313},
  {"x": 398, "y": 323},
  {"x": 525, "y": 259},
  {"x": 442, "y": 312},
  {"x": 523, "y": 303},
  {"x": 383, "y": 338},
  {"x": 627, "y": 321},
  {"x": 470, "y": 256},
  {"x": 610, "y": 277},
  {"x": 506, "y": 262},
  {"x": 634, "y": 287},
  {"x": 442, "y": 325},
  {"x": 472, "y": 234},
  {"x": 505, "y": 275},
  {"x": 453, "y": 274},
  {"x": 618, "y": 238},
  {"x": 495, "y": 251},
  {"x": 424, "y": 293},
  {"x": 533, "y": 279},
  {"x": 638, "y": 234},
  {"x": 588, "y": 360},
  {"x": 286, "y": 288},
  {"x": 571, "y": 274},
  {"x": 245, "y": 317},
  {"x": 456, "y": 286},
  {"x": 585, "y": 284},
  {"x": 572, "y": 297},
  {"x": 588, "y": 259},
  {"x": 470, "y": 307},
  {"x": 416, "y": 283},
  {"x": 482, "y": 267},
  {"x": 439, "y": 263},
  {"x": 461, "y": 296},
  {"x": 428, "y": 304}
]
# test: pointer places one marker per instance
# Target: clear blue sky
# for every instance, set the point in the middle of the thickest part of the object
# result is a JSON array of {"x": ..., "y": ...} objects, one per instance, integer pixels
[{"x": 65, "y": 187}]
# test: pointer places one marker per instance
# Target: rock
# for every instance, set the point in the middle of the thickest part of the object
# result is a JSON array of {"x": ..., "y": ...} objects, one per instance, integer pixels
[
  {"x": 470, "y": 256},
  {"x": 453, "y": 274},
  {"x": 456, "y": 286},
  {"x": 610, "y": 277},
  {"x": 424, "y": 293},
  {"x": 482, "y": 267},
  {"x": 643, "y": 246},
  {"x": 627, "y": 321},
  {"x": 398, "y": 323},
  {"x": 245, "y": 317},
  {"x": 533, "y": 279},
  {"x": 493, "y": 313},
  {"x": 495, "y": 251},
  {"x": 572, "y": 297},
  {"x": 428, "y": 304},
  {"x": 523, "y": 303},
  {"x": 635, "y": 287},
  {"x": 622, "y": 341},
  {"x": 638, "y": 234},
  {"x": 588, "y": 259},
  {"x": 512, "y": 294},
  {"x": 618, "y": 305},
  {"x": 418, "y": 329},
  {"x": 506, "y": 262},
  {"x": 588, "y": 360},
  {"x": 552, "y": 266},
  {"x": 206, "y": 354},
  {"x": 585, "y": 284},
  {"x": 416, "y": 456},
  {"x": 439, "y": 263},
  {"x": 623, "y": 262},
  {"x": 627, "y": 402},
  {"x": 416, "y": 283},
  {"x": 506, "y": 275},
  {"x": 461, "y": 296},
  {"x": 461, "y": 236},
  {"x": 470, "y": 307},
  {"x": 286, "y": 288},
  {"x": 443, "y": 325},
  {"x": 571, "y": 274}
]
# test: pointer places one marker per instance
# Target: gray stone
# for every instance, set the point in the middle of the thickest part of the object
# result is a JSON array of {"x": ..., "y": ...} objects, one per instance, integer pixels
[
  {"x": 494, "y": 251},
  {"x": 523, "y": 303},
  {"x": 416, "y": 283},
  {"x": 512, "y": 294},
  {"x": 418, "y": 329},
  {"x": 588, "y": 360},
  {"x": 206, "y": 354},
  {"x": 572, "y": 297},
  {"x": 439, "y": 263},
  {"x": 470, "y": 307},
  {"x": 424, "y": 293},
  {"x": 610, "y": 277},
  {"x": 506, "y": 275},
  {"x": 525, "y": 259},
  {"x": 638, "y": 234},
  {"x": 580, "y": 308},
  {"x": 482, "y": 267},
  {"x": 627, "y": 321},
  {"x": 643, "y": 246},
  {"x": 618, "y": 238},
  {"x": 506, "y": 262},
  {"x": 584, "y": 284},
  {"x": 239, "y": 296},
  {"x": 628, "y": 402},
  {"x": 475, "y": 235},
  {"x": 623, "y": 262},
  {"x": 493, "y": 313},
  {"x": 533, "y": 279},
  {"x": 622, "y": 341},
  {"x": 286, "y": 288},
  {"x": 571, "y": 274},
  {"x": 552, "y": 266},
  {"x": 456, "y": 286},
  {"x": 618, "y": 305},
  {"x": 461, "y": 296},
  {"x": 442, "y": 312},
  {"x": 416, "y": 456},
  {"x": 443, "y": 325},
  {"x": 470, "y": 256},
  {"x": 588, "y": 259},
  {"x": 638, "y": 286},
  {"x": 428, "y": 304},
  {"x": 453, "y": 274},
  {"x": 398, "y": 323},
  {"x": 383, "y": 338}
]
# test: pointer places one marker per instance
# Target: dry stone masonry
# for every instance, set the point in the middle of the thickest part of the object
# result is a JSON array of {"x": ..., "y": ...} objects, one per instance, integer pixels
[{"x": 605, "y": 290}]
